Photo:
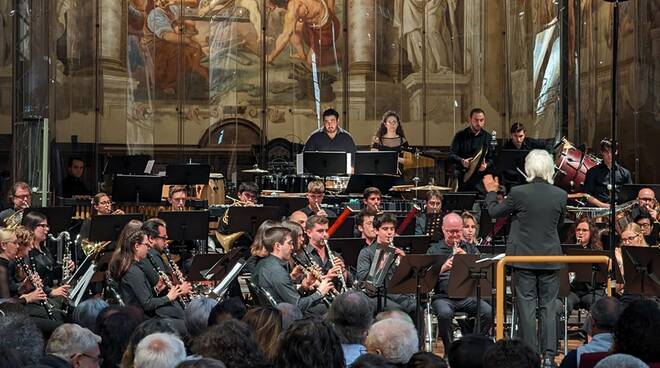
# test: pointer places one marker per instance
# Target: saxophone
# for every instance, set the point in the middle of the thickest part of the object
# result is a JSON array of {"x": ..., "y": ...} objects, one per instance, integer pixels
[
  {"x": 315, "y": 270},
  {"x": 180, "y": 278},
  {"x": 165, "y": 277},
  {"x": 37, "y": 283},
  {"x": 331, "y": 257}
]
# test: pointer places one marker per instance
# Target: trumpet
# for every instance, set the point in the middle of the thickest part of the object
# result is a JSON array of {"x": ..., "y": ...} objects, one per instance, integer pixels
[
  {"x": 331, "y": 257},
  {"x": 165, "y": 277}
]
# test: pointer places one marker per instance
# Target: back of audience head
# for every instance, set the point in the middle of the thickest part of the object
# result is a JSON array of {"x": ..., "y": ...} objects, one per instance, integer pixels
[
  {"x": 393, "y": 313},
  {"x": 290, "y": 314},
  {"x": 604, "y": 314},
  {"x": 637, "y": 331},
  {"x": 469, "y": 351},
  {"x": 393, "y": 338},
  {"x": 425, "y": 359},
  {"x": 21, "y": 334},
  {"x": 310, "y": 343},
  {"x": 351, "y": 315},
  {"x": 85, "y": 313},
  {"x": 373, "y": 361},
  {"x": 231, "y": 342},
  {"x": 196, "y": 315},
  {"x": 115, "y": 331},
  {"x": 266, "y": 324},
  {"x": 229, "y": 308},
  {"x": 73, "y": 343},
  {"x": 159, "y": 350},
  {"x": 511, "y": 354},
  {"x": 201, "y": 363},
  {"x": 9, "y": 358},
  {"x": 620, "y": 361},
  {"x": 145, "y": 328}
]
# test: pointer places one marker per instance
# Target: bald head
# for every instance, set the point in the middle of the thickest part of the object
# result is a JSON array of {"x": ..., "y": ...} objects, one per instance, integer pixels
[
  {"x": 299, "y": 217},
  {"x": 452, "y": 226},
  {"x": 646, "y": 199},
  {"x": 646, "y": 193}
]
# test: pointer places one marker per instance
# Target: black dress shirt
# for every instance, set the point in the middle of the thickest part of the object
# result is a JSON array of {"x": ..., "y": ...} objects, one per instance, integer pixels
[
  {"x": 466, "y": 144},
  {"x": 308, "y": 211},
  {"x": 320, "y": 141},
  {"x": 72, "y": 185},
  {"x": 527, "y": 144},
  {"x": 598, "y": 178},
  {"x": 443, "y": 251}
]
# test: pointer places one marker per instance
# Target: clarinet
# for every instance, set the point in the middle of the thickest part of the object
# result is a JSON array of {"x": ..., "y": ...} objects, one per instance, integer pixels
[
  {"x": 165, "y": 277},
  {"x": 332, "y": 258},
  {"x": 37, "y": 283},
  {"x": 180, "y": 278}
]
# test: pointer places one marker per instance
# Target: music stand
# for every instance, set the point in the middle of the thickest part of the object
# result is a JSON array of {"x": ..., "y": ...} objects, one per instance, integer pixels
[
  {"x": 59, "y": 218},
  {"x": 510, "y": 160},
  {"x": 325, "y": 163},
  {"x": 128, "y": 165},
  {"x": 248, "y": 219},
  {"x": 358, "y": 183},
  {"x": 348, "y": 249},
  {"x": 412, "y": 244},
  {"x": 137, "y": 188},
  {"x": 219, "y": 269},
  {"x": 108, "y": 227},
  {"x": 458, "y": 201},
  {"x": 200, "y": 264},
  {"x": 186, "y": 225},
  {"x": 187, "y": 174},
  {"x": 418, "y": 274},
  {"x": 287, "y": 204},
  {"x": 376, "y": 163},
  {"x": 229, "y": 276},
  {"x": 640, "y": 265},
  {"x": 467, "y": 278}
]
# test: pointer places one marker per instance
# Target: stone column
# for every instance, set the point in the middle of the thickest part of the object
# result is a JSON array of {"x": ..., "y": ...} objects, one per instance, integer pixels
[
  {"x": 113, "y": 33},
  {"x": 361, "y": 26}
]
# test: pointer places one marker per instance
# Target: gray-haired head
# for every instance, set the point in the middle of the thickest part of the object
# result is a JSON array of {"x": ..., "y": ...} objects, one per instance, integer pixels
[
  {"x": 86, "y": 312},
  {"x": 159, "y": 350},
  {"x": 196, "y": 315},
  {"x": 539, "y": 164},
  {"x": 394, "y": 313},
  {"x": 621, "y": 361},
  {"x": 21, "y": 334},
  {"x": 351, "y": 315},
  {"x": 70, "y": 339},
  {"x": 393, "y": 338}
]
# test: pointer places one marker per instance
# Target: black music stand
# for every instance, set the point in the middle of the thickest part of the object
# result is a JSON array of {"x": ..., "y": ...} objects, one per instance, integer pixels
[
  {"x": 595, "y": 273},
  {"x": 137, "y": 189},
  {"x": 201, "y": 263},
  {"x": 348, "y": 249},
  {"x": 287, "y": 204},
  {"x": 412, "y": 244},
  {"x": 59, "y": 218},
  {"x": 510, "y": 165},
  {"x": 127, "y": 165},
  {"x": 228, "y": 277},
  {"x": 458, "y": 201},
  {"x": 108, "y": 227},
  {"x": 222, "y": 266},
  {"x": 187, "y": 174},
  {"x": 358, "y": 183},
  {"x": 248, "y": 219},
  {"x": 325, "y": 163},
  {"x": 418, "y": 274},
  {"x": 376, "y": 163},
  {"x": 468, "y": 278},
  {"x": 186, "y": 225},
  {"x": 641, "y": 265},
  {"x": 490, "y": 249}
]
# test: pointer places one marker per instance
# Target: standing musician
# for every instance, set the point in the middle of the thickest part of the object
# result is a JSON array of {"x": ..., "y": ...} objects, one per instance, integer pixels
[
  {"x": 364, "y": 221},
  {"x": 518, "y": 140},
  {"x": 445, "y": 307},
  {"x": 598, "y": 178},
  {"x": 315, "y": 195},
  {"x": 537, "y": 212},
  {"x": 371, "y": 198},
  {"x": 316, "y": 229},
  {"x": 272, "y": 273},
  {"x": 331, "y": 137},
  {"x": 465, "y": 146},
  {"x": 21, "y": 198},
  {"x": 432, "y": 205},
  {"x": 390, "y": 137},
  {"x": 177, "y": 195},
  {"x": 385, "y": 226}
]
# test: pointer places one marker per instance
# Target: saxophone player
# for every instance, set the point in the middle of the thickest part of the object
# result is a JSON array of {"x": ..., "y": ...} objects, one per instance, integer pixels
[{"x": 21, "y": 198}]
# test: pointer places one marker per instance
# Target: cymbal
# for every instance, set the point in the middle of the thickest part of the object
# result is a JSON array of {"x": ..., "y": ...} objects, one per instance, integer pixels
[
  {"x": 432, "y": 187},
  {"x": 401, "y": 188},
  {"x": 255, "y": 170}
]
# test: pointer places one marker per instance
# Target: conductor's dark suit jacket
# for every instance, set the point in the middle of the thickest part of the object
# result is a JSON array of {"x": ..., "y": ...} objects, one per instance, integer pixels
[{"x": 537, "y": 212}]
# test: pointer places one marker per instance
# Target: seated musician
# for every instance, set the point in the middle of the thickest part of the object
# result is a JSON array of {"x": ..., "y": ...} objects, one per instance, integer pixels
[
  {"x": 331, "y": 137},
  {"x": 385, "y": 226},
  {"x": 364, "y": 221},
  {"x": 101, "y": 206},
  {"x": 598, "y": 178},
  {"x": 445, "y": 307},
  {"x": 631, "y": 236},
  {"x": 247, "y": 197},
  {"x": 21, "y": 198},
  {"x": 432, "y": 205},
  {"x": 469, "y": 234},
  {"x": 272, "y": 274},
  {"x": 465, "y": 146},
  {"x": 648, "y": 204},
  {"x": 371, "y": 198},
  {"x": 247, "y": 193},
  {"x": 518, "y": 139},
  {"x": 299, "y": 217},
  {"x": 315, "y": 194},
  {"x": 73, "y": 185},
  {"x": 645, "y": 221},
  {"x": 316, "y": 229},
  {"x": 135, "y": 288},
  {"x": 177, "y": 195}
]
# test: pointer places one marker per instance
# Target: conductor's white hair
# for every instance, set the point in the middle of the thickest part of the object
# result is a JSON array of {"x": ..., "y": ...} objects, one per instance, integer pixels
[
  {"x": 539, "y": 164},
  {"x": 159, "y": 350},
  {"x": 395, "y": 338}
]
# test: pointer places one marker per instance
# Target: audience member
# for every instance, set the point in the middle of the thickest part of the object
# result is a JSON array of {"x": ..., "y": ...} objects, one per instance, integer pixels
[
  {"x": 511, "y": 354},
  {"x": 196, "y": 315},
  {"x": 115, "y": 328},
  {"x": 159, "y": 350},
  {"x": 230, "y": 308},
  {"x": 469, "y": 351},
  {"x": 201, "y": 363},
  {"x": 424, "y": 359},
  {"x": 351, "y": 315},
  {"x": 146, "y": 328},
  {"x": 290, "y": 314},
  {"x": 310, "y": 343},
  {"x": 9, "y": 358},
  {"x": 231, "y": 342},
  {"x": 604, "y": 315},
  {"x": 393, "y": 313},
  {"x": 637, "y": 331},
  {"x": 85, "y": 313},
  {"x": 393, "y": 338},
  {"x": 621, "y": 361},
  {"x": 21, "y": 334},
  {"x": 73, "y": 346},
  {"x": 373, "y": 361},
  {"x": 266, "y": 324}
]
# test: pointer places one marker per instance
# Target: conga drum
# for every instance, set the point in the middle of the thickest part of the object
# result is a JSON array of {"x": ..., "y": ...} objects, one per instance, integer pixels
[
  {"x": 214, "y": 191},
  {"x": 572, "y": 166}
]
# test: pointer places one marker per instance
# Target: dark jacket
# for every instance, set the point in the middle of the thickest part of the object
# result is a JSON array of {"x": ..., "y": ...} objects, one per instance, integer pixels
[{"x": 537, "y": 212}]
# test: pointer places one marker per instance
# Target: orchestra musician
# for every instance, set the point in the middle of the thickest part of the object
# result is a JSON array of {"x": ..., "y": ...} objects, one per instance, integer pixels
[
  {"x": 465, "y": 146},
  {"x": 648, "y": 204},
  {"x": 316, "y": 229},
  {"x": 432, "y": 205},
  {"x": 272, "y": 273},
  {"x": 390, "y": 135},
  {"x": 445, "y": 307},
  {"x": 331, "y": 137},
  {"x": 537, "y": 212},
  {"x": 597, "y": 179},
  {"x": 518, "y": 140},
  {"x": 315, "y": 195},
  {"x": 177, "y": 195},
  {"x": 247, "y": 193},
  {"x": 21, "y": 198},
  {"x": 299, "y": 217},
  {"x": 101, "y": 206},
  {"x": 364, "y": 221},
  {"x": 469, "y": 234},
  {"x": 371, "y": 198},
  {"x": 645, "y": 222},
  {"x": 631, "y": 236}
]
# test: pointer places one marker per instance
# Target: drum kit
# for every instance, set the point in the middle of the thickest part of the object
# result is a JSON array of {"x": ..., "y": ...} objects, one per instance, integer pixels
[{"x": 572, "y": 165}]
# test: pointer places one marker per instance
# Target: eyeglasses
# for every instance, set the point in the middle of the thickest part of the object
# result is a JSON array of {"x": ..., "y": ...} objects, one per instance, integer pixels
[
  {"x": 644, "y": 225},
  {"x": 630, "y": 238},
  {"x": 97, "y": 359},
  {"x": 160, "y": 237},
  {"x": 104, "y": 203},
  {"x": 453, "y": 231}
]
